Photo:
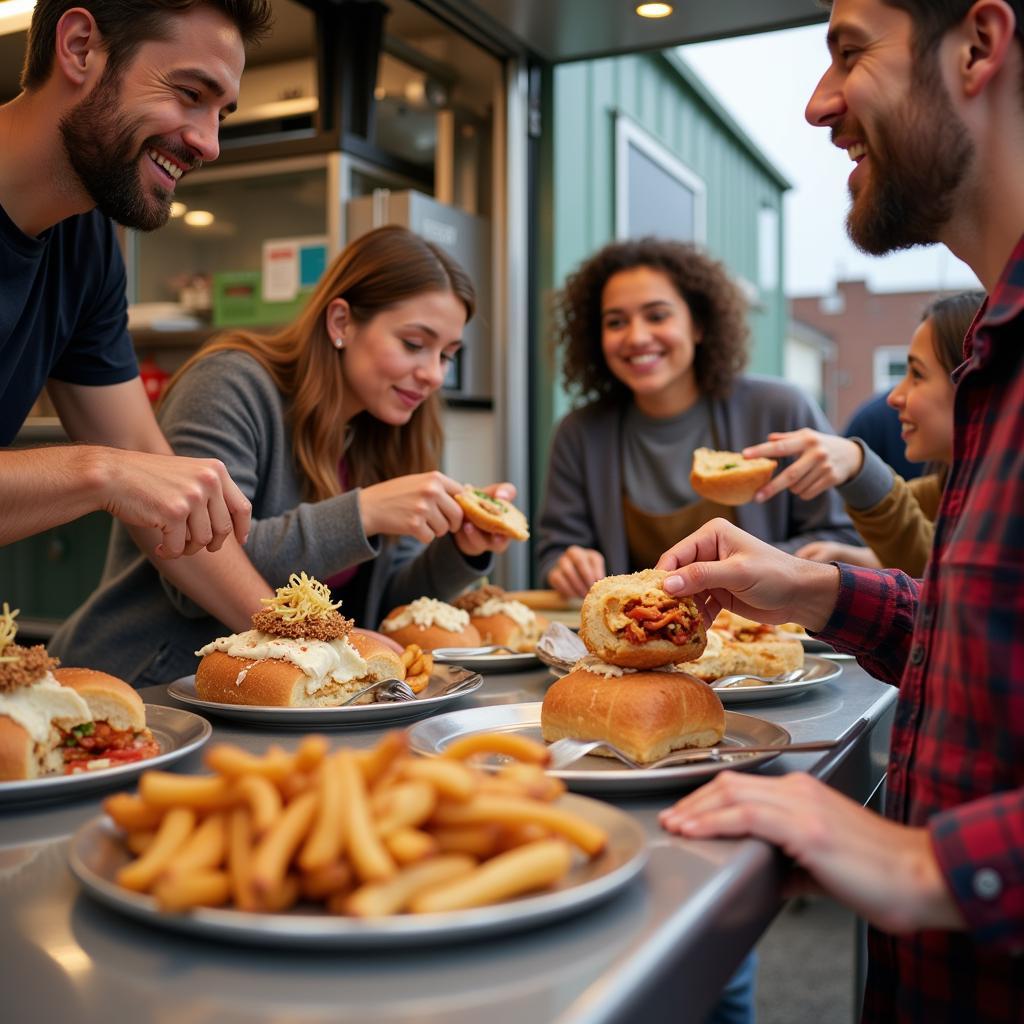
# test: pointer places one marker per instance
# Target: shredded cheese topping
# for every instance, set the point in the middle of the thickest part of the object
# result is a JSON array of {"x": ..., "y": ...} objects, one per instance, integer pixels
[
  {"x": 8, "y": 631},
  {"x": 300, "y": 599}
]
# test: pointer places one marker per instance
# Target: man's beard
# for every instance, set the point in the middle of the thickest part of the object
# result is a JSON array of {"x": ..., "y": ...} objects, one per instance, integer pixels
[
  {"x": 918, "y": 160},
  {"x": 99, "y": 139}
]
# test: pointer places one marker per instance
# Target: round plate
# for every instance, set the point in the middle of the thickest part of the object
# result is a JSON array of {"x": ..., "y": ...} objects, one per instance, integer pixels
[
  {"x": 433, "y": 697},
  {"x": 816, "y": 670},
  {"x": 485, "y": 662},
  {"x": 176, "y": 732},
  {"x": 601, "y": 774},
  {"x": 97, "y": 853}
]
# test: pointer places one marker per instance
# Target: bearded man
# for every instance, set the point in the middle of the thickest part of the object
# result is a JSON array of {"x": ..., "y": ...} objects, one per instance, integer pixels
[
  {"x": 119, "y": 101},
  {"x": 927, "y": 98}
]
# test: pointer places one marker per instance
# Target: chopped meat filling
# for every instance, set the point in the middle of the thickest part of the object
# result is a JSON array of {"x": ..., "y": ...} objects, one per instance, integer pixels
[{"x": 662, "y": 620}]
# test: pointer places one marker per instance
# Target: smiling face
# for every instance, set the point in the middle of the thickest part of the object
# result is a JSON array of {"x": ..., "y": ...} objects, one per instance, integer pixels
[
  {"x": 924, "y": 401},
  {"x": 392, "y": 363},
  {"x": 648, "y": 338},
  {"x": 134, "y": 135},
  {"x": 892, "y": 113}
]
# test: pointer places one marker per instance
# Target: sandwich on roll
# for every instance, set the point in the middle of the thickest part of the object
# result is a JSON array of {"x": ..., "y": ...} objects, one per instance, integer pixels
[
  {"x": 736, "y": 645},
  {"x": 632, "y": 622},
  {"x": 727, "y": 477},
  {"x": 493, "y": 515},
  {"x": 430, "y": 624},
  {"x": 500, "y": 620},
  {"x": 300, "y": 653},
  {"x": 645, "y": 714}
]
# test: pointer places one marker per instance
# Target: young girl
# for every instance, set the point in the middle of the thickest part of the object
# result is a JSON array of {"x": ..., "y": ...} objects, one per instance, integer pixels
[
  {"x": 653, "y": 333},
  {"x": 894, "y": 516},
  {"x": 331, "y": 427}
]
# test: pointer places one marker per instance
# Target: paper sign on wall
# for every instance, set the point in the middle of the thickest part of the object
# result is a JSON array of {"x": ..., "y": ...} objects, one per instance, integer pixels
[{"x": 291, "y": 265}]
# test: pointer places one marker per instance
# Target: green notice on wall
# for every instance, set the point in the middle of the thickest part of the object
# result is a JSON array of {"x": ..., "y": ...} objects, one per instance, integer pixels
[{"x": 238, "y": 301}]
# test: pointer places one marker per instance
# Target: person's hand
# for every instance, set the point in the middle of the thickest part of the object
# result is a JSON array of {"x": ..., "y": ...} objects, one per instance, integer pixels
[
  {"x": 833, "y": 551},
  {"x": 821, "y": 461},
  {"x": 721, "y": 566},
  {"x": 887, "y": 873},
  {"x": 576, "y": 570},
  {"x": 419, "y": 505},
  {"x": 192, "y": 502},
  {"x": 471, "y": 540}
]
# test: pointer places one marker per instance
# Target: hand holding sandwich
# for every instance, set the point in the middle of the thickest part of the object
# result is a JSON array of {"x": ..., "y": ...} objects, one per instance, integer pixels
[
  {"x": 820, "y": 461},
  {"x": 721, "y": 566}
]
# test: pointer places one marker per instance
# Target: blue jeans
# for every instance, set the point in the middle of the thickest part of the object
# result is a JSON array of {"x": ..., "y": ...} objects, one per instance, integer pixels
[{"x": 736, "y": 1003}]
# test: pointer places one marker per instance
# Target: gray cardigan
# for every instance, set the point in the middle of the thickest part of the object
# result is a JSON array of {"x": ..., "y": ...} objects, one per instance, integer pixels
[
  {"x": 139, "y": 627},
  {"x": 582, "y": 502}
]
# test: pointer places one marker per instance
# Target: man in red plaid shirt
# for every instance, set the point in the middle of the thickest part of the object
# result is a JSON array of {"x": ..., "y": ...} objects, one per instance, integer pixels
[{"x": 927, "y": 97}]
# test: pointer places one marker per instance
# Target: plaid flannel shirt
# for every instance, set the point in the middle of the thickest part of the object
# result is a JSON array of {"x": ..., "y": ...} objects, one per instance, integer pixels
[{"x": 954, "y": 642}]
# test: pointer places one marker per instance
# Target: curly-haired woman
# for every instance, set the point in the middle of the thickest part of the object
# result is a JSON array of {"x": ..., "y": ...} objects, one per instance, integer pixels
[{"x": 653, "y": 335}]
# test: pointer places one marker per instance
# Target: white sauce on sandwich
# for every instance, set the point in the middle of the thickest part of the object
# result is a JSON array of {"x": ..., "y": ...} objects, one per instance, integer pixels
[
  {"x": 322, "y": 661},
  {"x": 593, "y": 664},
  {"x": 45, "y": 702},
  {"x": 426, "y": 612},
  {"x": 515, "y": 610}
]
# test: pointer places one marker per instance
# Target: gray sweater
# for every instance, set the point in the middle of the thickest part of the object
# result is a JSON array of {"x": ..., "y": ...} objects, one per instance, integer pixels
[
  {"x": 583, "y": 496},
  {"x": 137, "y": 626}
]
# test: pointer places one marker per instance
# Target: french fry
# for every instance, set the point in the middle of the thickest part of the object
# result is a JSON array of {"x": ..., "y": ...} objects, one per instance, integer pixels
[
  {"x": 281, "y": 897},
  {"x": 509, "y": 810},
  {"x": 519, "y": 835},
  {"x": 509, "y": 744},
  {"x": 452, "y": 779},
  {"x": 407, "y": 845},
  {"x": 367, "y": 855},
  {"x": 131, "y": 812},
  {"x": 403, "y": 805},
  {"x": 139, "y": 842},
  {"x": 382, "y": 898},
  {"x": 178, "y": 892},
  {"x": 518, "y": 871},
  {"x": 326, "y": 881},
  {"x": 326, "y": 838},
  {"x": 240, "y": 858},
  {"x": 535, "y": 781},
  {"x": 176, "y": 827},
  {"x": 294, "y": 784},
  {"x": 480, "y": 841},
  {"x": 276, "y": 849},
  {"x": 310, "y": 752},
  {"x": 263, "y": 798},
  {"x": 200, "y": 792},
  {"x": 375, "y": 763},
  {"x": 227, "y": 759},
  {"x": 204, "y": 850}
]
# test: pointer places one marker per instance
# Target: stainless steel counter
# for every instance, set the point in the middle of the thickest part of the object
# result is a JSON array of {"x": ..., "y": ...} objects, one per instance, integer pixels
[{"x": 659, "y": 951}]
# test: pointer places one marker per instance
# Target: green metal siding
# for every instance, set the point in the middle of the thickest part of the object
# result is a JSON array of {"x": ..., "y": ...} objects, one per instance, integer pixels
[{"x": 578, "y": 192}]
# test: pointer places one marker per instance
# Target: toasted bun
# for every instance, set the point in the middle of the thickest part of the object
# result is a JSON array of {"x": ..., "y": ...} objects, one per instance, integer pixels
[
  {"x": 726, "y": 656},
  {"x": 109, "y": 699},
  {"x": 494, "y": 515},
  {"x": 503, "y": 629},
  {"x": 429, "y": 637},
  {"x": 382, "y": 662},
  {"x": 646, "y": 714},
  {"x": 727, "y": 477},
  {"x": 17, "y": 757},
  {"x": 607, "y": 628}
]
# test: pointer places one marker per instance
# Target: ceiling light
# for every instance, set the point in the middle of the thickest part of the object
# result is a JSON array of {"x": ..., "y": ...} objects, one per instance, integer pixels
[
  {"x": 15, "y": 15},
  {"x": 654, "y": 10},
  {"x": 178, "y": 209},
  {"x": 199, "y": 218}
]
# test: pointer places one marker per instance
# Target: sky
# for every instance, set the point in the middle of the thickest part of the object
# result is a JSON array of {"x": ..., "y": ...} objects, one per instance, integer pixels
[{"x": 764, "y": 81}]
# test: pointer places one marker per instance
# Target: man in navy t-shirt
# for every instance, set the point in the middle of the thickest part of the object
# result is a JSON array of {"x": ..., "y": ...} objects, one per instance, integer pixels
[{"x": 118, "y": 101}]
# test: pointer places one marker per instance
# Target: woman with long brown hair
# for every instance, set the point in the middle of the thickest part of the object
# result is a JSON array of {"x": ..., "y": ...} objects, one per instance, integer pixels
[{"x": 331, "y": 427}]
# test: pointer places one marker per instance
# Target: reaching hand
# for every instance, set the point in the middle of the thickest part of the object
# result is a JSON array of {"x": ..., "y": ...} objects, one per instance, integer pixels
[
  {"x": 192, "y": 502},
  {"x": 419, "y": 505},
  {"x": 887, "y": 873},
  {"x": 471, "y": 540},
  {"x": 576, "y": 570},
  {"x": 833, "y": 551},
  {"x": 723, "y": 567},
  {"x": 823, "y": 461}
]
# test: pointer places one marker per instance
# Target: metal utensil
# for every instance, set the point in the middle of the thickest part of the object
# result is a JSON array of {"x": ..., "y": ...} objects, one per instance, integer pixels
[
  {"x": 387, "y": 689},
  {"x": 474, "y": 652},
  {"x": 465, "y": 683},
  {"x": 741, "y": 679},
  {"x": 563, "y": 753}
]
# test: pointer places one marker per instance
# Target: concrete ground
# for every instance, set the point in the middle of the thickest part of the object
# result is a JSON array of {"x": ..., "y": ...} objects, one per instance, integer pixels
[{"x": 806, "y": 971}]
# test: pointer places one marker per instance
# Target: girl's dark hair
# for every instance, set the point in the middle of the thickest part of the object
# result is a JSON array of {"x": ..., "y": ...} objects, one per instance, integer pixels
[
  {"x": 715, "y": 302},
  {"x": 126, "y": 25},
  {"x": 951, "y": 318}
]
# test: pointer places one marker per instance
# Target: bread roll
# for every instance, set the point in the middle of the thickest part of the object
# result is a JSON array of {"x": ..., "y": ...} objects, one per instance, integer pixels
[
  {"x": 109, "y": 699},
  {"x": 645, "y": 714},
  {"x": 493, "y": 514},
  {"x": 725, "y": 655},
  {"x": 630, "y": 621},
  {"x": 727, "y": 477},
  {"x": 430, "y": 624}
]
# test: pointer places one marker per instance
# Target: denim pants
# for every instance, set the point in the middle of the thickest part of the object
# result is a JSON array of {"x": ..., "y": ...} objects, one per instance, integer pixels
[{"x": 736, "y": 1003}]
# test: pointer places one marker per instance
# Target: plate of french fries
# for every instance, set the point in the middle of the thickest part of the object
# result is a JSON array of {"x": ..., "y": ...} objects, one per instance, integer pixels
[
  {"x": 354, "y": 848},
  {"x": 431, "y": 697},
  {"x": 176, "y": 732}
]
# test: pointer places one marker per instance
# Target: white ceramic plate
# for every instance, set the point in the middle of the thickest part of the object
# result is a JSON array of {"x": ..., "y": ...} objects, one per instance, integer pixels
[
  {"x": 432, "y": 698},
  {"x": 597, "y": 774},
  {"x": 177, "y": 732},
  {"x": 816, "y": 670},
  {"x": 485, "y": 662},
  {"x": 97, "y": 853}
]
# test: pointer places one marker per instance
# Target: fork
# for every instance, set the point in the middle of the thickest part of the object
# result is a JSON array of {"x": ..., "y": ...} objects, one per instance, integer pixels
[
  {"x": 390, "y": 689},
  {"x": 473, "y": 652},
  {"x": 565, "y": 752},
  {"x": 737, "y": 680}
]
